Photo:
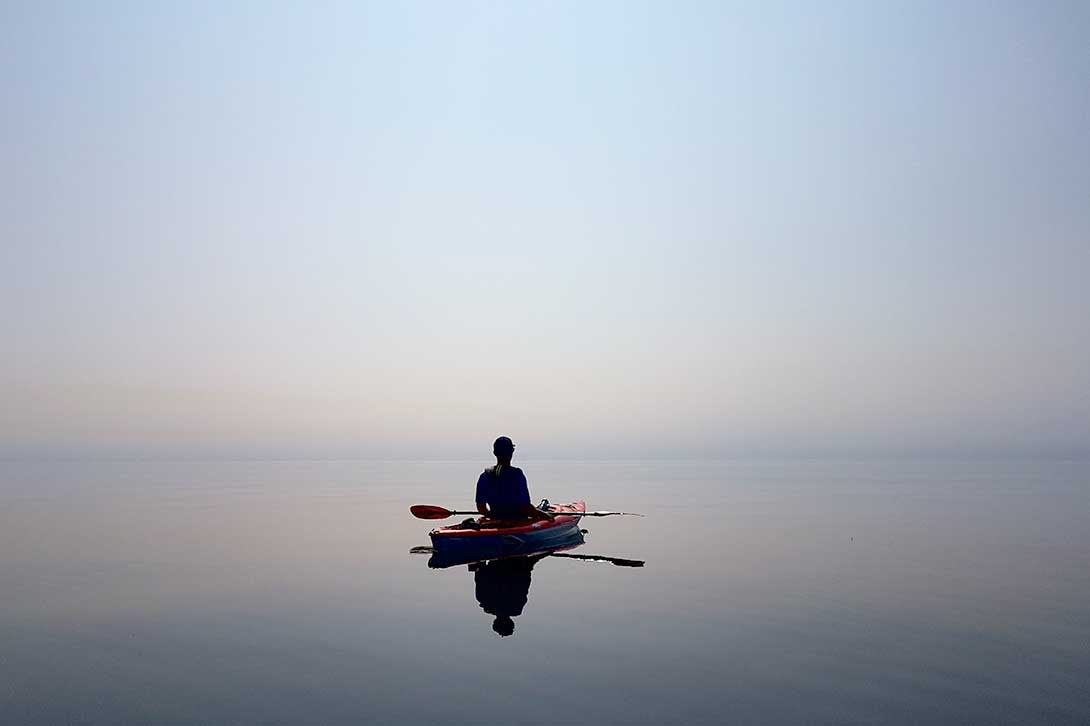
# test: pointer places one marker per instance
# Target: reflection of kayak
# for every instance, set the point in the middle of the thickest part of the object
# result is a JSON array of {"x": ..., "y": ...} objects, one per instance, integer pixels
[{"x": 484, "y": 539}]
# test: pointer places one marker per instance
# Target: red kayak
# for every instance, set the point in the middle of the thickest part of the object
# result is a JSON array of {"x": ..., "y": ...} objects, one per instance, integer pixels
[{"x": 485, "y": 538}]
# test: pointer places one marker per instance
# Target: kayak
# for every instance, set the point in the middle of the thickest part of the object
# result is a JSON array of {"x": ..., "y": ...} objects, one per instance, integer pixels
[
  {"x": 441, "y": 559},
  {"x": 485, "y": 538}
]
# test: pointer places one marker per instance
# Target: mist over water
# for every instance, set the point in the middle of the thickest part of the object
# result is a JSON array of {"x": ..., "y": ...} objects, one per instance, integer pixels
[{"x": 897, "y": 592}]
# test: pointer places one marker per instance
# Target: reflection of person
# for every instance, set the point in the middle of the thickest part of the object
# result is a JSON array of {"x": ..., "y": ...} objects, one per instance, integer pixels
[
  {"x": 501, "y": 490},
  {"x": 502, "y": 588}
]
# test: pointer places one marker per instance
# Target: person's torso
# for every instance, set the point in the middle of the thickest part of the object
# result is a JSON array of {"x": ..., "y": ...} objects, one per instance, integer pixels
[{"x": 505, "y": 492}]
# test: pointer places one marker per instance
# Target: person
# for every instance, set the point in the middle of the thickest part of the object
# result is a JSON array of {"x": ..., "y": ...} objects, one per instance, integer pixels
[{"x": 501, "y": 489}]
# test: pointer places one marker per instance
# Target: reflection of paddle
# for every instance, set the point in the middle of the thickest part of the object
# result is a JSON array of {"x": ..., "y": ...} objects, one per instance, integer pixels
[
  {"x": 600, "y": 558},
  {"x": 430, "y": 511},
  {"x": 425, "y": 550}
]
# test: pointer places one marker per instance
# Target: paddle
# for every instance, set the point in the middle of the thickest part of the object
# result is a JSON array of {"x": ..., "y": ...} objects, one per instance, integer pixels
[{"x": 430, "y": 511}]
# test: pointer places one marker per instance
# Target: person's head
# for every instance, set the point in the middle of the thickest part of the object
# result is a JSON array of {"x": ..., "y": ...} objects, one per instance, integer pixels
[
  {"x": 504, "y": 449},
  {"x": 503, "y": 625}
]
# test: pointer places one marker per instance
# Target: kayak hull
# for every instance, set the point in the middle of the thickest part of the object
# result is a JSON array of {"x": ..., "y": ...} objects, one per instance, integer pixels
[
  {"x": 467, "y": 555},
  {"x": 488, "y": 539}
]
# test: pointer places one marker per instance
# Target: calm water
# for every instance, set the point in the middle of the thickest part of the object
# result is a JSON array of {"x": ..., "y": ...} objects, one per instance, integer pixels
[{"x": 806, "y": 592}]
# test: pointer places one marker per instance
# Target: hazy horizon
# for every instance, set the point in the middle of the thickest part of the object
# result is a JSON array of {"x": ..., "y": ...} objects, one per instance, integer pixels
[{"x": 611, "y": 229}]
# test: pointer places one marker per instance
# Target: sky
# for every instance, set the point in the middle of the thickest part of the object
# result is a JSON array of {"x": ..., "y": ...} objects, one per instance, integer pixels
[{"x": 611, "y": 229}]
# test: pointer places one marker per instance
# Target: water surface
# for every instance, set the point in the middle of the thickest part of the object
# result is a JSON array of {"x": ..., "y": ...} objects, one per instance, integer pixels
[{"x": 891, "y": 592}]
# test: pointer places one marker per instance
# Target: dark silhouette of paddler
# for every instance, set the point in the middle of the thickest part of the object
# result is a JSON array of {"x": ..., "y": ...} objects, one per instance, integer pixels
[
  {"x": 501, "y": 489},
  {"x": 503, "y": 587}
]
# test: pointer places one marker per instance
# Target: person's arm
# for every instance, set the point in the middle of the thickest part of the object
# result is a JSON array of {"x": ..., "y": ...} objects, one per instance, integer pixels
[
  {"x": 527, "y": 508},
  {"x": 481, "y": 498},
  {"x": 536, "y": 514}
]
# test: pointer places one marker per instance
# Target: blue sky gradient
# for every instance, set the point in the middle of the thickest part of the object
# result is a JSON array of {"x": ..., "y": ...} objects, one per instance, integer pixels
[{"x": 618, "y": 229}]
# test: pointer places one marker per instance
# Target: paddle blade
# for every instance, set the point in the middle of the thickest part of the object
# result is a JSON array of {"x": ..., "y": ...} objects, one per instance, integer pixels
[{"x": 429, "y": 511}]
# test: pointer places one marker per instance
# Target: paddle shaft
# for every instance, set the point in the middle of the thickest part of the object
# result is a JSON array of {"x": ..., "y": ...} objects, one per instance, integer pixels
[{"x": 452, "y": 513}]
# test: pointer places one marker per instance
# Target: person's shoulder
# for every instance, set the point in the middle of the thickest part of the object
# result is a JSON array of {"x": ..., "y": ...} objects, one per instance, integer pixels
[{"x": 516, "y": 470}]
